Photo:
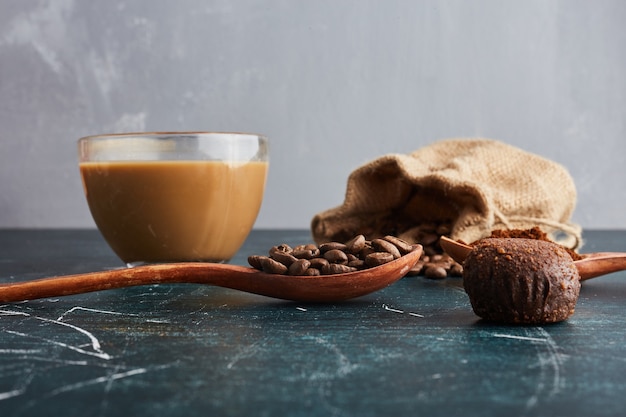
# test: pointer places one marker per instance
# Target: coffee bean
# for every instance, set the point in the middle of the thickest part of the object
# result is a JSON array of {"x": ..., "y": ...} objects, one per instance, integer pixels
[
  {"x": 427, "y": 234},
  {"x": 357, "y": 263},
  {"x": 434, "y": 271},
  {"x": 255, "y": 261},
  {"x": 378, "y": 258},
  {"x": 429, "y": 239},
  {"x": 305, "y": 253},
  {"x": 456, "y": 270},
  {"x": 283, "y": 248},
  {"x": 356, "y": 244},
  {"x": 312, "y": 272},
  {"x": 336, "y": 256},
  {"x": 299, "y": 267},
  {"x": 403, "y": 246},
  {"x": 325, "y": 247},
  {"x": 416, "y": 270},
  {"x": 367, "y": 249},
  {"x": 382, "y": 245},
  {"x": 318, "y": 263},
  {"x": 284, "y": 258},
  {"x": 442, "y": 260},
  {"x": 430, "y": 250},
  {"x": 272, "y": 267},
  {"x": 332, "y": 269},
  {"x": 308, "y": 246}
]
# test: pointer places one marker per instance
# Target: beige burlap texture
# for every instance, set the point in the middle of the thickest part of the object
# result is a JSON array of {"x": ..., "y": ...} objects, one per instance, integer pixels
[{"x": 473, "y": 185}]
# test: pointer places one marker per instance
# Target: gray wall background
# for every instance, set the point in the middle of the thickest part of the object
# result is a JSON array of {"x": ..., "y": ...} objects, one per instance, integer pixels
[{"x": 333, "y": 83}]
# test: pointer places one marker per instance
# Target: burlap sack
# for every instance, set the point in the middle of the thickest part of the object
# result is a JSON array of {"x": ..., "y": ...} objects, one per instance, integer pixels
[{"x": 473, "y": 185}]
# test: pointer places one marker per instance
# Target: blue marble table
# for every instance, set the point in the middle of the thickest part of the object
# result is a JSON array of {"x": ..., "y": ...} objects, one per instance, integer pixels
[{"x": 414, "y": 348}]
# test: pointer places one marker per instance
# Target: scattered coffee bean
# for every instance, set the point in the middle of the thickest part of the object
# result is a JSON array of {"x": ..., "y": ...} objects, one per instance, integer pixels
[
  {"x": 442, "y": 260},
  {"x": 428, "y": 234},
  {"x": 416, "y": 270},
  {"x": 433, "y": 265},
  {"x": 456, "y": 270},
  {"x": 434, "y": 271}
]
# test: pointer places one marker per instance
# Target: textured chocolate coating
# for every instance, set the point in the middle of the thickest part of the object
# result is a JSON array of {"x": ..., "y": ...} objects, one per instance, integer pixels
[{"x": 522, "y": 281}]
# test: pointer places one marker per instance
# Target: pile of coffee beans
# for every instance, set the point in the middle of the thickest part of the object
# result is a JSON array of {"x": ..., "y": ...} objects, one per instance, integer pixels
[
  {"x": 437, "y": 266},
  {"x": 332, "y": 257},
  {"x": 434, "y": 263}
]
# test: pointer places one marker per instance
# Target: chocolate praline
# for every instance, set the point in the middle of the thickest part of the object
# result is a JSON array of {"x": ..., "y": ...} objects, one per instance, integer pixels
[{"x": 521, "y": 281}]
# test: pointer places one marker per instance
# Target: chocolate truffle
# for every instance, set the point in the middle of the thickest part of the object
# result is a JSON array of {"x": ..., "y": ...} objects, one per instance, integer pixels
[{"x": 521, "y": 281}]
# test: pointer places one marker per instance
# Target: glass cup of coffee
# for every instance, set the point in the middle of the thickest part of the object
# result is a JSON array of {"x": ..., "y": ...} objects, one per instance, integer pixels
[{"x": 174, "y": 197}]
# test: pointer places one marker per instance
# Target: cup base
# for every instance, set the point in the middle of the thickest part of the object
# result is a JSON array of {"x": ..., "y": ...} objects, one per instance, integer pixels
[{"x": 141, "y": 263}]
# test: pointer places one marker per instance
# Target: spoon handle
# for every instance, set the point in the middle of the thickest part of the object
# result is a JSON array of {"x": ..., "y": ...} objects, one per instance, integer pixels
[
  {"x": 201, "y": 273},
  {"x": 600, "y": 263}
]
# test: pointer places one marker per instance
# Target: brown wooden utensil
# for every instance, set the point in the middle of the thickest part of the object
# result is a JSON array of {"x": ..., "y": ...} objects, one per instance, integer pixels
[
  {"x": 592, "y": 265},
  {"x": 322, "y": 288}
]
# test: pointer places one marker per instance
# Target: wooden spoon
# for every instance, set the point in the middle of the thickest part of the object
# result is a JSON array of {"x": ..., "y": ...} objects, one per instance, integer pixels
[
  {"x": 322, "y": 288},
  {"x": 592, "y": 265}
]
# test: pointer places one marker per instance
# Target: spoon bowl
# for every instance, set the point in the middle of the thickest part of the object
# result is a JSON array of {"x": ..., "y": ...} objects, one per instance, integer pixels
[
  {"x": 322, "y": 288},
  {"x": 457, "y": 250},
  {"x": 590, "y": 266}
]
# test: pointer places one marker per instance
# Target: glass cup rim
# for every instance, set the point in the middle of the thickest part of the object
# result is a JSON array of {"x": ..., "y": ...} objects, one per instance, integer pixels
[
  {"x": 162, "y": 146},
  {"x": 170, "y": 134}
]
